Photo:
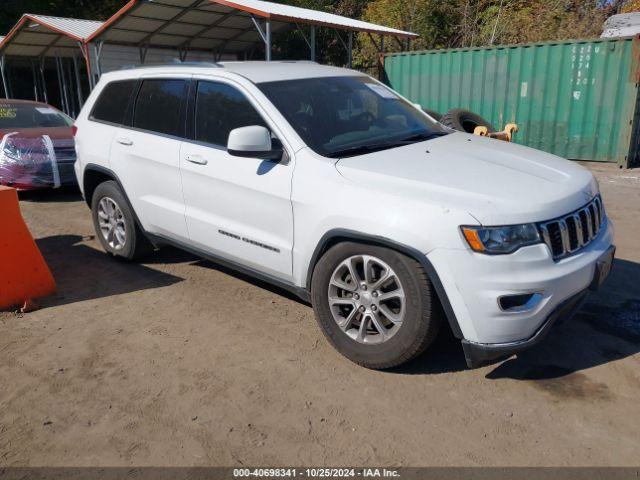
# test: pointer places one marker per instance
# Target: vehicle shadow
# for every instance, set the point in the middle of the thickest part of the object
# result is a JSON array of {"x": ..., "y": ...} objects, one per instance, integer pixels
[
  {"x": 605, "y": 329},
  {"x": 64, "y": 194},
  {"x": 85, "y": 273},
  {"x": 252, "y": 280}
]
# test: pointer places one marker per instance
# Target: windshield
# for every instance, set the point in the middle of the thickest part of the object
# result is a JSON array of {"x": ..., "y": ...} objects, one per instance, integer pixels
[
  {"x": 347, "y": 116},
  {"x": 24, "y": 115}
]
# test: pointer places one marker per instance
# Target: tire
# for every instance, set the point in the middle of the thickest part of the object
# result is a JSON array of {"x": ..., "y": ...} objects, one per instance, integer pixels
[
  {"x": 432, "y": 113},
  {"x": 465, "y": 121},
  {"x": 421, "y": 311},
  {"x": 133, "y": 244}
]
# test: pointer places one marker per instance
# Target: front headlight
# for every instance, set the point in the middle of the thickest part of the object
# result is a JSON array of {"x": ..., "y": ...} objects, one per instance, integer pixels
[
  {"x": 501, "y": 240},
  {"x": 12, "y": 152}
]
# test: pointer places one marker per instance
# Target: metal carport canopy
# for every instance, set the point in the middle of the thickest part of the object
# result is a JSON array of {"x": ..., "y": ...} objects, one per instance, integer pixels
[
  {"x": 40, "y": 35},
  {"x": 220, "y": 26}
]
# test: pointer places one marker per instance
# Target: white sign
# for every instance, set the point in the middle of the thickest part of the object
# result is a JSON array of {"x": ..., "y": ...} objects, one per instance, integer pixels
[
  {"x": 384, "y": 92},
  {"x": 47, "y": 111}
]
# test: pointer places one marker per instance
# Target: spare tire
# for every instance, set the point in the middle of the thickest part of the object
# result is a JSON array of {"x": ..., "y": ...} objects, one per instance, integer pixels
[
  {"x": 432, "y": 113},
  {"x": 465, "y": 121}
]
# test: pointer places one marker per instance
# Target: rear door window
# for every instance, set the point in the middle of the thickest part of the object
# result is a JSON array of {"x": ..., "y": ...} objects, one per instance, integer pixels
[
  {"x": 221, "y": 108},
  {"x": 112, "y": 104},
  {"x": 159, "y": 106}
]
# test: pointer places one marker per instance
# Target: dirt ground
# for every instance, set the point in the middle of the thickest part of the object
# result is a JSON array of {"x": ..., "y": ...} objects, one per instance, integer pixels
[{"x": 179, "y": 362}]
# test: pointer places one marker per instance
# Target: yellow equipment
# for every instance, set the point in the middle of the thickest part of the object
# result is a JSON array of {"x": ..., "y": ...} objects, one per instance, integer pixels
[{"x": 505, "y": 135}]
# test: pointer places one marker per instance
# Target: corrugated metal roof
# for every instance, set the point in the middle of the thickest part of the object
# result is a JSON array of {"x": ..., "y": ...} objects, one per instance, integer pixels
[
  {"x": 216, "y": 25},
  {"x": 305, "y": 15},
  {"x": 36, "y": 35},
  {"x": 78, "y": 28},
  {"x": 222, "y": 26}
]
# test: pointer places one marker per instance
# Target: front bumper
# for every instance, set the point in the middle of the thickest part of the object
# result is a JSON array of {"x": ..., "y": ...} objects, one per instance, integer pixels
[
  {"x": 474, "y": 284},
  {"x": 37, "y": 179},
  {"x": 478, "y": 354}
]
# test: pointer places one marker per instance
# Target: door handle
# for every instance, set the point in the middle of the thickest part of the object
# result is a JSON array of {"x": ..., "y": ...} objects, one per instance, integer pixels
[
  {"x": 197, "y": 159},
  {"x": 124, "y": 141}
]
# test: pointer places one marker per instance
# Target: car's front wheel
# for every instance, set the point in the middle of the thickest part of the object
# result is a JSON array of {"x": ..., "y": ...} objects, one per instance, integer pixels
[
  {"x": 375, "y": 305},
  {"x": 115, "y": 224}
]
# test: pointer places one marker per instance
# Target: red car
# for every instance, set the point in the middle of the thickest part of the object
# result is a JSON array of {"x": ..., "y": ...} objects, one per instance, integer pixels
[{"x": 37, "y": 149}]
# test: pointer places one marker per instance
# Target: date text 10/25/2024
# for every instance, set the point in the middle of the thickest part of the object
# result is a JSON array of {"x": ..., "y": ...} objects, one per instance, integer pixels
[{"x": 315, "y": 473}]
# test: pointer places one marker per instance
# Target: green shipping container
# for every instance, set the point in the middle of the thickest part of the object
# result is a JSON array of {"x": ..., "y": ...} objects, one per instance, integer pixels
[{"x": 577, "y": 99}]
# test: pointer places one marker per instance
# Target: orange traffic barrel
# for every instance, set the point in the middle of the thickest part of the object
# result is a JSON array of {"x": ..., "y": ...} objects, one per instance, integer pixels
[{"x": 24, "y": 275}]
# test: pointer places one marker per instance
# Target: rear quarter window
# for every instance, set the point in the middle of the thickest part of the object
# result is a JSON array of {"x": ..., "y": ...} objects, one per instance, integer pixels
[{"x": 112, "y": 103}]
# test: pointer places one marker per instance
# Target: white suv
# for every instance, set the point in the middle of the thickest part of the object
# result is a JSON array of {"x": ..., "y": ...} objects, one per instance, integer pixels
[{"x": 329, "y": 184}]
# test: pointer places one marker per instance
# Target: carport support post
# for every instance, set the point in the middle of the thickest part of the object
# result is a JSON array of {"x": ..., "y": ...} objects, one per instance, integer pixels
[
  {"x": 76, "y": 71},
  {"x": 381, "y": 59},
  {"x": 72, "y": 107},
  {"x": 267, "y": 43},
  {"x": 312, "y": 43},
  {"x": 143, "y": 53},
  {"x": 62, "y": 104},
  {"x": 63, "y": 90},
  {"x": 5, "y": 84},
  {"x": 97, "y": 50},
  {"x": 84, "y": 49},
  {"x": 36, "y": 87},
  {"x": 350, "y": 50},
  {"x": 44, "y": 81}
]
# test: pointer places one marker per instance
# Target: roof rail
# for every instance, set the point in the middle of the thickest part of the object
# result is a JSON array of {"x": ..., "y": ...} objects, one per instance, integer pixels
[
  {"x": 173, "y": 63},
  {"x": 228, "y": 62}
]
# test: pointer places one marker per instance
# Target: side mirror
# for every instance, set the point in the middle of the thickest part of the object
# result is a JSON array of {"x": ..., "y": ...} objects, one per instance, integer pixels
[
  {"x": 418, "y": 106},
  {"x": 253, "y": 142}
]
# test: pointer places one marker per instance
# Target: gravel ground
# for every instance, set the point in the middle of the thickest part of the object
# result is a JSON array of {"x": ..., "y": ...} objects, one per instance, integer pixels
[{"x": 180, "y": 362}]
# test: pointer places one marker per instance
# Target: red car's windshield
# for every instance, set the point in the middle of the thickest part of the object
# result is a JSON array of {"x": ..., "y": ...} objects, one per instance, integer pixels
[{"x": 24, "y": 115}]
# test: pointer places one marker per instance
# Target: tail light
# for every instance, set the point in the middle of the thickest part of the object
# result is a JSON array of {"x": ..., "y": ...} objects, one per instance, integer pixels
[{"x": 74, "y": 130}]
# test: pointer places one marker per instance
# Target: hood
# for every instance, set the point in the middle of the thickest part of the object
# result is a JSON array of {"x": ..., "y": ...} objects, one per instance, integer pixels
[{"x": 499, "y": 183}]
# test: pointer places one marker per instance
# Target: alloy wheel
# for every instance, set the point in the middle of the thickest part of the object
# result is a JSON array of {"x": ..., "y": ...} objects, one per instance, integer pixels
[
  {"x": 367, "y": 299},
  {"x": 111, "y": 222}
]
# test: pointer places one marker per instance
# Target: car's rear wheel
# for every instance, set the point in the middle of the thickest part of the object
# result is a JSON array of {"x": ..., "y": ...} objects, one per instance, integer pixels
[
  {"x": 375, "y": 305},
  {"x": 115, "y": 224}
]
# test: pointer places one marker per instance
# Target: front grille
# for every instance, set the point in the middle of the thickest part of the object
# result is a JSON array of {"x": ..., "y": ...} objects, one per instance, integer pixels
[{"x": 569, "y": 234}]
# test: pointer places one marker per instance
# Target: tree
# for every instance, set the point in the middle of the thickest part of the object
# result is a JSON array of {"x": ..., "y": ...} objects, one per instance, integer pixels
[
  {"x": 539, "y": 20},
  {"x": 433, "y": 20},
  {"x": 630, "y": 6},
  {"x": 440, "y": 23},
  {"x": 474, "y": 23},
  {"x": 12, "y": 10}
]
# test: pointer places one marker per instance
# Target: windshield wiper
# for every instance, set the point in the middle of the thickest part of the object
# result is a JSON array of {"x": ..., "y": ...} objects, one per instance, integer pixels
[
  {"x": 421, "y": 137},
  {"x": 361, "y": 149}
]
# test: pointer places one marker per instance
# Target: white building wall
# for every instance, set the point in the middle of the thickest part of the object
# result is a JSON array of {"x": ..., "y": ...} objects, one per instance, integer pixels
[{"x": 116, "y": 57}]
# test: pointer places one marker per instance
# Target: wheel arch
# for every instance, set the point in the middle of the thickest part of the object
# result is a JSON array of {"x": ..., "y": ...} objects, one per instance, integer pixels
[
  {"x": 336, "y": 236},
  {"x": 93, "y": 176}
]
